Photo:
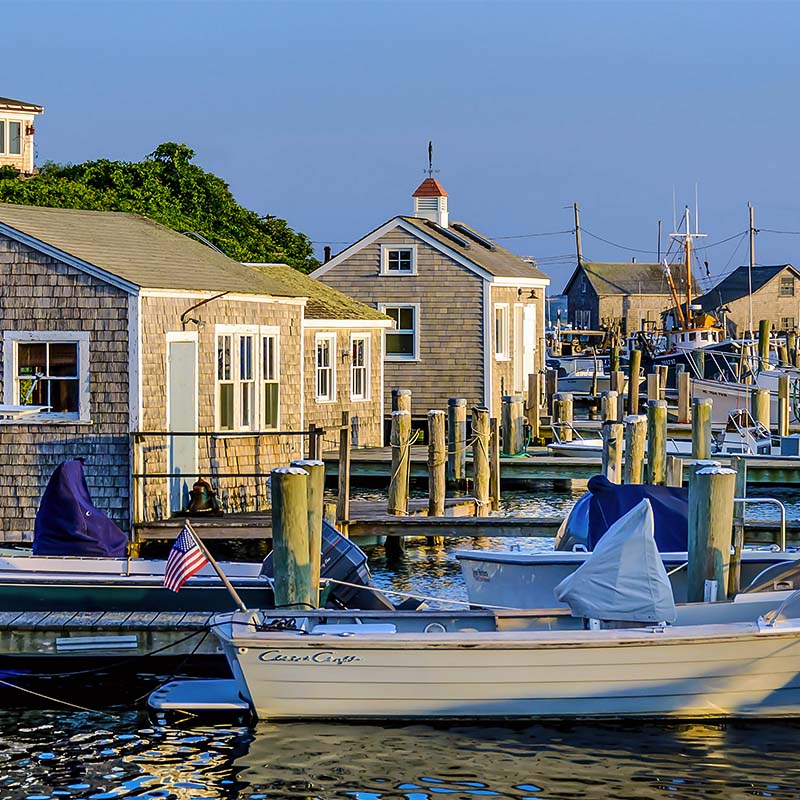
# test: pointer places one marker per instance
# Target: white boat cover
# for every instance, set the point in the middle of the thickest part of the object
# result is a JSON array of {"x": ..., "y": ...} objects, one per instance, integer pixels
[{"x": 624, "y": 577}]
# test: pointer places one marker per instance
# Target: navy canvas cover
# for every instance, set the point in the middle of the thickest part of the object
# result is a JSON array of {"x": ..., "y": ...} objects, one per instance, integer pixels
[
  {"x": 670, "y": 505},
  {"x": 67, "y": 524}
]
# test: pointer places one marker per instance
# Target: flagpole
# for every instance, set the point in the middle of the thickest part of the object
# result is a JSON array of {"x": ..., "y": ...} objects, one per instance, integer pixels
[{"x": 222, "y": 576}]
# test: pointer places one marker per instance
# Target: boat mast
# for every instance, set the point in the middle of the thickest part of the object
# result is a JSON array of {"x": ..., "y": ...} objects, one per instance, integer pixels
[{"x": 687, "y": 237}]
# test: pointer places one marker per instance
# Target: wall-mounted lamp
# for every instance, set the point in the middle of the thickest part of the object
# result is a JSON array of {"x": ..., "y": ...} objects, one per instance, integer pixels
[
  {"x": 531, "y": 296},
  {"x": 345, "y": 355}
]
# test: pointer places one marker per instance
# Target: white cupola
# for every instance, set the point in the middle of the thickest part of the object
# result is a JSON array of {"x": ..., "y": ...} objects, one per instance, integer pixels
[{"x": 430, "y": 202}]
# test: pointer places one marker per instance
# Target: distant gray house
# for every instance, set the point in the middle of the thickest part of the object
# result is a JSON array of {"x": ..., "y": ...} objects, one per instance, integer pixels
[
  {"x": 775, "y": 296},
  {"x": 624, "y": 297},
  {"x": 468, "y": 314}
]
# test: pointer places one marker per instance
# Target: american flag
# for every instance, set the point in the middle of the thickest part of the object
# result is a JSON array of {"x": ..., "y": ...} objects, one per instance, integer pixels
[{"x": 185, "y": 559}]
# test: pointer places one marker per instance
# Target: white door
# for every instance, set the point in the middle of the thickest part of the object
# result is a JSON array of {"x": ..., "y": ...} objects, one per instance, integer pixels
[
  {"x": 519, "y": 350},
  {"x": 181, "y": 416},
  {"x": 529, "y": 342}
]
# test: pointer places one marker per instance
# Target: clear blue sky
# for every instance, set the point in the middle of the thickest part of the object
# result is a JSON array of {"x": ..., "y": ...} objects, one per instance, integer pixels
[{"x": 321, "y": 112}]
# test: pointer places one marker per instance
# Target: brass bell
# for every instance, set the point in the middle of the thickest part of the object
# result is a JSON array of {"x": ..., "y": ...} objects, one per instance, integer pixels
[{"x": 203, "y": 498}]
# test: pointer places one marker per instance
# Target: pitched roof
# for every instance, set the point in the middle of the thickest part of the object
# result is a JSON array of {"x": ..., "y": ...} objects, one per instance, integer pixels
[
  {"x": 135, "y": 249},
  {"x": 479, "y": 249},
  {"x": 630, "y": 277},
  {"x": 430, "y": 187},
  {"x": 324, "y": 302},
  {"x": 7, "y": 104},
  {"x": 737, "y": 285}
]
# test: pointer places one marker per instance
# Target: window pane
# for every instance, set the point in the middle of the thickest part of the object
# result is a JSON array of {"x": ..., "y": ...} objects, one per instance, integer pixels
[
  {"x": 2, "y": 136},
  {"x": 224, "y": 347},
  {"x": 63, "y": 359},
  {"x": 394, "y": 313},
  {"x": 358, "y": 353},
  {"x": 247, "y": 405},
  {"x": 270, "y": 366},
  {"x": 271, "y": 392},
  {"x": 226, "y": 407},
  {"x": 246, "y": 358},
  {"x": 14, "y": 138},
  {"x": 400, "y": 344},
  {"x": 32, "y": 392},
  {"x": 32, "y": 358},
  {"x": 63, "y": 396},
  {"x": 406, "y": 318}
]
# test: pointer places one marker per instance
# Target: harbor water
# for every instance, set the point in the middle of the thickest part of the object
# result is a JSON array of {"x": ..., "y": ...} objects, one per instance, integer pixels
[{"x": 105, "y": 747}]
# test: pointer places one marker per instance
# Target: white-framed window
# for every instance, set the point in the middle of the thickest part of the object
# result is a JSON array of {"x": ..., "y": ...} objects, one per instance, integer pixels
[
  {"x": 502, "y": 344},
  {"x": 583, "y": 319},
  {"x": 247, "y": 377},
  {"x": 402, "y": 343},
  {"x": 786, "y": 286},
  {"x": 325, "y": 367},
  {"x": 270, "y": 380},
  {"x": 359, "y": 366},
  {"x": 398, "y": 259},
  {"x": 10, "y": 137},
  {"x": 50, "y": 369}
]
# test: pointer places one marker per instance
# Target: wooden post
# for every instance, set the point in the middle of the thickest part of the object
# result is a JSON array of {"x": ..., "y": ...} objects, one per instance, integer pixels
[
  {"x": 480, "y": 459},
  {"x": 562, "y": 415},
  {"x": 635, "y": 437},
  {"x": 313, "y": 442},
  {"x": 437, "y": 462},
  {"x": 701, "y": 427},
  {"x": 456, "y": 442},
  {"x": 609, "y": 406},
  {"x": 292, "y": 565},
  {"x": 739, "y": 465},
  {"x": 783, "y": 405},
  {"x": 551, "y": 388},
  {"x": 674, "y": 471},
  {"x": 494, "y": 463},
  {"x": 513, "y": 426},
  {"x": 612, "y": 450},
  {"x": 684, "y": 396},
  {"x": 614, "y": 359},
  {"x": 316, "y": 506},
  {"x": 656, "y": 442},
  {"x": 783, "y": 357},
  {"x": 401, "y": 451},
  {"x": 662, "y": 371},
  {"x": 760, "y": 406},
  {"x": 343, "y": 477},
  {"x": 401, "y": 400},
  {"x": 653, "y": 388},
  {"x": 763, "y": 343},
  {"x": 617, "y": 384},
  {"x": 634, "y": 365},
  {"x": 711, "y": 492},
  {"x": 534, "y": 405},
  {"x": 791, "y": 347}
]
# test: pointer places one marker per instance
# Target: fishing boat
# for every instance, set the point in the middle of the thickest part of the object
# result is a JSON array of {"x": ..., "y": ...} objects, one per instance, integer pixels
[{"x": 621, "y": 649}]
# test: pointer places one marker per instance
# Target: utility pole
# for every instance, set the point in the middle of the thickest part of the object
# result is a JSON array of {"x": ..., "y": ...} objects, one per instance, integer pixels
[
  {"x": 659, "y": 241},
  {"x": 752, "y": 264},
  {"x": 578, "y": 247}
]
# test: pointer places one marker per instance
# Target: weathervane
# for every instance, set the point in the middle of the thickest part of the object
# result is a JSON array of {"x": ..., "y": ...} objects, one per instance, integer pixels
[{"x": 431, "y": 171}]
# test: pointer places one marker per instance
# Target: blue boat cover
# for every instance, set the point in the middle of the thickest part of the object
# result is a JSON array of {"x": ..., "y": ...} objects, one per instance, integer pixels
[
  {"x": 670, "y": 505},
  {"x": 67, "y": 524}
]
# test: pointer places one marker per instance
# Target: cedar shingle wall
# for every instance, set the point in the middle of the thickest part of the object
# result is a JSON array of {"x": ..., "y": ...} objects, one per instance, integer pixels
[
  {"x": 767, "y": 304},
  {"x": 41, "y": 294},
  {"x": 219, "y": 454},
  {"x": 451, "y": 321},
  {"x": 369, "y": 426}
]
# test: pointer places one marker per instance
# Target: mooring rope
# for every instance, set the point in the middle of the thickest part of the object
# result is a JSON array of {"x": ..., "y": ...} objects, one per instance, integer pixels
[{"x": 42, "y": 696}]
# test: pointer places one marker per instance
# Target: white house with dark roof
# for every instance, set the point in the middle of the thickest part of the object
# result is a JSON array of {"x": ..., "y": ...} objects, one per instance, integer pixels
[
  {"x": 469, "y": 315},
  {"x": 16, "y": 134}
]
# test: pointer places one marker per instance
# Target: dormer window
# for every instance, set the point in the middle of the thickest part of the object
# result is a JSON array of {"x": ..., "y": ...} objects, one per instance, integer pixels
[{"x": 397, "y": 260}]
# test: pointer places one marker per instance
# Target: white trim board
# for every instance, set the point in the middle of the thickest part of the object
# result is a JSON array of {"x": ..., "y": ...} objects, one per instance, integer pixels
[{"x": 360, "y": 324}]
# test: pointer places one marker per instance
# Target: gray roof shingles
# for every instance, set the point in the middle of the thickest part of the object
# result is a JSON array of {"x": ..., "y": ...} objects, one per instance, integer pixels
[
  {"x": 631, "y": 277},
  {"x": 139, "y": 250},
  {"x": 737, "y": 285}
]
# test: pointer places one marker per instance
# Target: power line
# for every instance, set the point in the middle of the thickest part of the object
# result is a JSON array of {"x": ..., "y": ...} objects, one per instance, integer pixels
[
  {"x": 771, "y": 230},
  {"x": 531, "y": 235}
]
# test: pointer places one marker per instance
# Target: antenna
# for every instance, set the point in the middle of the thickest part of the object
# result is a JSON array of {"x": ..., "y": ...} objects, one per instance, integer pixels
[
  {"x": 430, "y": 171},
  {"x": 696, "y": 214}
]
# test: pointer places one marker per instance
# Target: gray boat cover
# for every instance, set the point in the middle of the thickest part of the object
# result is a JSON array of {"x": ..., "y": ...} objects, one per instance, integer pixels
[{"x": 624, "y": 577}]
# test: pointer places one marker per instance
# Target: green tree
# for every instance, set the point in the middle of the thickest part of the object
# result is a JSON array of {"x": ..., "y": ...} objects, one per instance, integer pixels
[{"x": 168, "y": 188}]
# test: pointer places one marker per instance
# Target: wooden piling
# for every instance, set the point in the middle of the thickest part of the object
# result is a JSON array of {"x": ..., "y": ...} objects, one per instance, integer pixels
[
  {"x": 612, "y": 450},
  {"x": 513, "y": 425},
  {"x": 635, "y": 437},
  {"x": 401, "y": 400},
  {"x": 759, "y": 408},
  {"x": 315, "y": 485},
  {"x": 609, "y": 406},
  {"x": 456, "y": 442},
  {"x": 494, "y": 463},
  {"x": 653, "y": 386},
  {"x": 292, "y": 566},
  {"x": 398, "y": 483},
  {"x": 534, "y": 405},
  {"x": 614, "y": 359},
  {"x": 562, "y": 415},
  {"x": 480, "y": 459},
  {"x": 437, "y": 463},
  {"x": 783, "y": 405},
  {"x": 662, "y": 370},
  {"x": 617, "y": 384},
  {"x": 764, "y": 326},
  {"x": 739, "y": 466},
  {"x": 343, "y": 474},
  {"x": 701, "y": 427},
  {"x": 656, "y": 441},
  {"x": 791, "y": 347},
  {"x": 551, "y": 388},
  {"x": 674, "y": 471},
  {"x": 783, "y": 355},
  {"x": 711, "y": 492},
  {"x": 684, "y": 396},
  {"x": 634, "y": 365}
]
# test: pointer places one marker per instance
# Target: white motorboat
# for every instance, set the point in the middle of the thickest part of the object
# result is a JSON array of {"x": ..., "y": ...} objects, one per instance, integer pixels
[{"x": 622, "y": 649}]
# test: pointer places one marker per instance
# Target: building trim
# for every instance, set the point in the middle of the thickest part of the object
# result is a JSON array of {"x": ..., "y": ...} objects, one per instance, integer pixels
[
  {"x": 360, "y": 324},
  {"x": 488, "y": 322},
  {"x": 134, "y": 363}
]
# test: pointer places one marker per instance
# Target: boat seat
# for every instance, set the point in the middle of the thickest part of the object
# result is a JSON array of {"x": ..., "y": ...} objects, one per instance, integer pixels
[{"x": 343, "y": 629}]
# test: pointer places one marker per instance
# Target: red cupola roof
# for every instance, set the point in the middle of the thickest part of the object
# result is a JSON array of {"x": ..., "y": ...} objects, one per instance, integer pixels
[{"x": 430, "y": 187}]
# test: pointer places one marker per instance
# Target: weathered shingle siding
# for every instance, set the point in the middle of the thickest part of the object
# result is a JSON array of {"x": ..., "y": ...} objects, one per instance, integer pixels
[
  {"x": 219, "y": 454},
  {"x": 41, "y": 294},
  {"x": 767, "y": 304},
  {"x": 451, "y": 320},
  {"x": 366, "y": 414}
]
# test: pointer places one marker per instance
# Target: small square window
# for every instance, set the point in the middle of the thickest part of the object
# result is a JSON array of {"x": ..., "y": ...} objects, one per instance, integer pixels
[{"x": 398, "y": 260}]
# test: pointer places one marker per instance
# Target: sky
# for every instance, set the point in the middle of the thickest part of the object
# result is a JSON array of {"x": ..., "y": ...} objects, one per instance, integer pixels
[{"x": 321, "y": 112}]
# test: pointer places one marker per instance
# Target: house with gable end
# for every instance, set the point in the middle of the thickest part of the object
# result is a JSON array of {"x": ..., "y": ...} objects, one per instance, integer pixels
[
  {"x": 468, "y": 314},
  {"x": 16, "y": 134},
  {"x": 112, "y": 324}
]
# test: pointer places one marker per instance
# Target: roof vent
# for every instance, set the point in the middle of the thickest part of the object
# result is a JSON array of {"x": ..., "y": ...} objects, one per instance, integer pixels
[
  {"x": 448, "y": 233},
  {"x": 476, "y": 237},
  {"x": 430, "y": 202}
]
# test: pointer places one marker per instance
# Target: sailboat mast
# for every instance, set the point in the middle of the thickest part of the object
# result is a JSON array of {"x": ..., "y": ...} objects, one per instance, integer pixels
[{"x": 688, "y": 270}]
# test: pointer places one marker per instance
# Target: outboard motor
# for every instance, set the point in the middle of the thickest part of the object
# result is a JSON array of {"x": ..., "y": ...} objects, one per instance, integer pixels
[{"x": 342, "y": 560}]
